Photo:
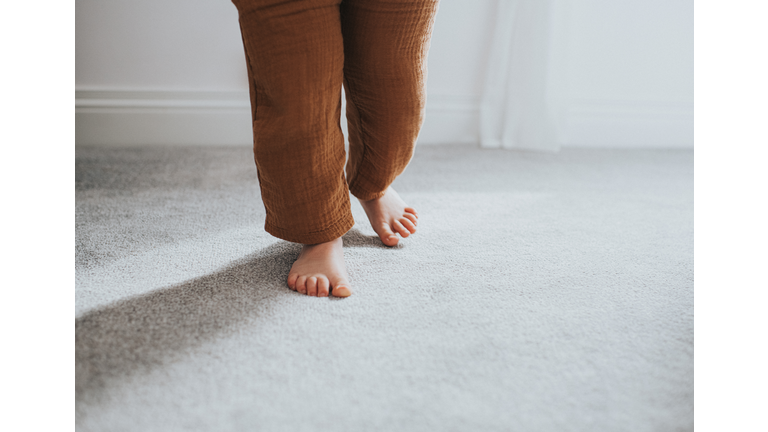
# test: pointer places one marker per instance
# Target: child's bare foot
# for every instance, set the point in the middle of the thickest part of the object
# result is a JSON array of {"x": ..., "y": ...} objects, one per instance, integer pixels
[
  {"x": 320, "y": 271},
  {"x": 389, "y": 215}
]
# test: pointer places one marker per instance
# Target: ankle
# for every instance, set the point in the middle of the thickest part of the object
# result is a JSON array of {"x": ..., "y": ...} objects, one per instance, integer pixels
[{"x": 330, "y": 243}]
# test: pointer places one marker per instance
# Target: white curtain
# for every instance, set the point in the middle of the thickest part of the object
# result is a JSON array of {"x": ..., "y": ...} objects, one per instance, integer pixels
[{"x": 515, "y": 110}]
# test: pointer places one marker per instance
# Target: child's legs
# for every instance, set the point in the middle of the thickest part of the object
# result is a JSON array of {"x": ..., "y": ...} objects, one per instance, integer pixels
[
  {"x": 295, "y": 57},
  {"x": 385, "y": 53}
]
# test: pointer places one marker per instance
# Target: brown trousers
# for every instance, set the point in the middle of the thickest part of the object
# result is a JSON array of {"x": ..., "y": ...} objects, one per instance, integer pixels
[{"x": 298, "y": 54}]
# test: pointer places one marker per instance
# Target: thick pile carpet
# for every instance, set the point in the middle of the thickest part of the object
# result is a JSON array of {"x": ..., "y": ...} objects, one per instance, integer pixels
[{"x": 542, "y": 292}]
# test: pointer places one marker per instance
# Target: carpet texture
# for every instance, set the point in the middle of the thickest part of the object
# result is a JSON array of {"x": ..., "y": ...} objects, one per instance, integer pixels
[{"x": 542, "y": 292}]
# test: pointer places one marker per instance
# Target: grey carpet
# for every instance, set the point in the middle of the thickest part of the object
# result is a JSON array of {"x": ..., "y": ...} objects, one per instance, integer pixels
[{"x": 543, "y": 292}]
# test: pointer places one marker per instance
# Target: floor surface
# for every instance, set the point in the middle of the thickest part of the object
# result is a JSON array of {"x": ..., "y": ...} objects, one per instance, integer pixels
[{"x": 542, "y": 292}]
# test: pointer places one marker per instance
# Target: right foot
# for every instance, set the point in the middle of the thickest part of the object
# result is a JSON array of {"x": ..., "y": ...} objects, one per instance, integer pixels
[{"x": 320, "y": 271}]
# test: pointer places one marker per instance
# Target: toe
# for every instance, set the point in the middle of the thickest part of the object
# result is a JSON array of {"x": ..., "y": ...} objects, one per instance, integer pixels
[
  {"x": 323, "y": 287},
  {"x": 410, "y": 226},
  {"x": 301, "y": 284},
  {"x": 292, "y": 281},
  {"x": 412, "y": 211},
  {"x": 411, "y": 217},
  {"x": 341, "y": 289},
  {"x": 400, "y": 229},
  {"x": 387, "y": 236},
  {"x": 312, "y": 286}
]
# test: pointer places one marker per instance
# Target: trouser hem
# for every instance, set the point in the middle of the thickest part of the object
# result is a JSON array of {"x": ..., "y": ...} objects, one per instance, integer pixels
[
  {"x": 334, "y": 231},
  {"x": 365, "y": 195}
]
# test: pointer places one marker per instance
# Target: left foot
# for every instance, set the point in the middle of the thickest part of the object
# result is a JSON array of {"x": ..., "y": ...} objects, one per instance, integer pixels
[{"x": 389, "y": 215}]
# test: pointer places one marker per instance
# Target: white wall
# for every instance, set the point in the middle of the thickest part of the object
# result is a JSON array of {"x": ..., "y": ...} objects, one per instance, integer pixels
[
  {"x": 172, "y": 71},
  {"x": 158, "y": 45},
  {"x": 629, "y": 74}
]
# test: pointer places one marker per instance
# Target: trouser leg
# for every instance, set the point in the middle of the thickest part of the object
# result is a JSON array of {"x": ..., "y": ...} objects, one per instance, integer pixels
[
  {"x": 385, "y": 54},
  {"x": 295, "y": 58}
]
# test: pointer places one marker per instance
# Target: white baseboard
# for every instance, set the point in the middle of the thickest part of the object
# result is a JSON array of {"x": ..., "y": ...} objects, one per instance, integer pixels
[
  {"x": 129, "y": 117},
  {"x": 162, "y": 117},
  {"x": 630, "y": 124},
  {"x": 451, "y": 119}
]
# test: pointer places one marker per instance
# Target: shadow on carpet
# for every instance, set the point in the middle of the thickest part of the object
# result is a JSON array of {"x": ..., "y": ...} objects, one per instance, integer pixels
[
  {"x": 141, "y": 333},
  {"x": 148, "y": 331}
]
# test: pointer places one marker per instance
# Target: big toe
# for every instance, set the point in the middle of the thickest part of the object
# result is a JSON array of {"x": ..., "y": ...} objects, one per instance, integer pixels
[
  {"x": 387, "y": 236},
  {"x": 341, "y": 289}
]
